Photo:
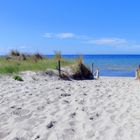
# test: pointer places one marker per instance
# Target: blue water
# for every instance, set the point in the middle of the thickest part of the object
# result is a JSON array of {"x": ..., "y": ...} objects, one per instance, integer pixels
[{"x": 112, "y": 65}]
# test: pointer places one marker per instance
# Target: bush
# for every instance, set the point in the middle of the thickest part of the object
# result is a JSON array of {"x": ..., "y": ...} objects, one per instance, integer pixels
[
  {"x": 81, "y": 72},
  {"x": 18, "y": 78},
  {"x": 38, "y": 56},
  {"x": 23, "y": 57},
  {"x": 14, "y": 53}
]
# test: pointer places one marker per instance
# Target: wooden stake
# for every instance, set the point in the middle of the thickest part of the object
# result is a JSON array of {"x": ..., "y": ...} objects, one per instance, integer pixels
[
  {"x": 92, "y": 69},
  {"x": 59, "y": 67}
]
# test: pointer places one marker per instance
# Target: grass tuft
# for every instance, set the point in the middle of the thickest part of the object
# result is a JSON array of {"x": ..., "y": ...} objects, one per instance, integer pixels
[
  {"x": 18, "y": 78},
  {"x": 14, "y": 53},
  {"x": 57, "y": 55},
  {"x": 81, "y": 71}
]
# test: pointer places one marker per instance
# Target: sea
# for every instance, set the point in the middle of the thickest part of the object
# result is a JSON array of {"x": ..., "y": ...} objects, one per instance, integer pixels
[{"x": 111, "y": 65}]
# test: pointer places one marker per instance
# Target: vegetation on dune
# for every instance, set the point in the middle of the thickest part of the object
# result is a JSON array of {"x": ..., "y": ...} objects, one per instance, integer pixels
[
  {"x": 78, "y": 71},
  {"x": 81, "y": 71},
  {"x": 14, "y": 53},
  {"x": 16, "y": 62},
  {"x": 36, "y": 62}
]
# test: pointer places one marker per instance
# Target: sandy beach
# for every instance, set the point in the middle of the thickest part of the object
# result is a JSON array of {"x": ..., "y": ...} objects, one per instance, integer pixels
[{"x": 46, "y": 108}]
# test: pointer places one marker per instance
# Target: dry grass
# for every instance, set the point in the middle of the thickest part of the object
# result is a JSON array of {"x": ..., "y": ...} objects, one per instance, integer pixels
[
  {"x": 81, "y": 71},
  {"x": 14, "y": 53},
  {"x": 58, "y": 55}
]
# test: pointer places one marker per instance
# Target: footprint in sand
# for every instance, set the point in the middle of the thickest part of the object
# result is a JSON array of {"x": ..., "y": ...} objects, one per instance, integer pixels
[
  {"x": 21, "y": 138},
  {"x": 41, "y": 108},
  {"x": 73, "y": 115},
  {"x": 72, "y": 123},
  {"x": 22, "y": 114},
  {"x": 51, "y": 124},
  {"x": 90, "y": 134},
  {"x": 119, "y": 133},
  {"x": 3, "y": 118},
  {"x": 4, "y": 134},
  {"x": 68, "y": 134}
]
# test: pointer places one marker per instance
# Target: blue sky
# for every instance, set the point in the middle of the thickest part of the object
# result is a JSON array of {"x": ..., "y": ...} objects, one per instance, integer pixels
[{"x": 70, "y": 26}]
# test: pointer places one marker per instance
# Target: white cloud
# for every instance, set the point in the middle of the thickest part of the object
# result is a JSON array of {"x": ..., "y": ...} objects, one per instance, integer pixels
[
  {"x": 48, "y": 35},
  {"x": 108, "y": 41},
  {"x": 90, "y": 40},
  {"x": 65, "y": 35}
]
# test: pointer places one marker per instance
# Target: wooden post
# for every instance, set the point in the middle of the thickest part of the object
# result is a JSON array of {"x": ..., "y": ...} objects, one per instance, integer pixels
[
  {"x": 97, "y": 72},
  {"x": 92, "y": 68},
  {"x": 59, "y": 67}
]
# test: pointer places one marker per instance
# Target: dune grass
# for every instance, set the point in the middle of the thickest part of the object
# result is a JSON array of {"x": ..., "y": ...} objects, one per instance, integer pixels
[
  {"x": 15, "y": 66},
  {"x": 16, "y": 62}
]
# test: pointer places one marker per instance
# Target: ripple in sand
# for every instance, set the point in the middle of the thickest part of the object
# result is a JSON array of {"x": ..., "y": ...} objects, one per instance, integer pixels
[{"x": 20, "y": 112}]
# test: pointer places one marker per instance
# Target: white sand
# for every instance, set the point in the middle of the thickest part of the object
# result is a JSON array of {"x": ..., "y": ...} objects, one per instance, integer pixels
[{"x": 45, "y": 108}]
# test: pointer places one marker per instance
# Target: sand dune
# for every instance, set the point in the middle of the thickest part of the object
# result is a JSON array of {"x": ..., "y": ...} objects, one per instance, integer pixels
[{"x": 46, "y": 108}]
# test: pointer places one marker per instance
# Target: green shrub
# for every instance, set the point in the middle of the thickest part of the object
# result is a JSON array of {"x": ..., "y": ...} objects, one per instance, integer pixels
[{"x": 18, "y": 78}]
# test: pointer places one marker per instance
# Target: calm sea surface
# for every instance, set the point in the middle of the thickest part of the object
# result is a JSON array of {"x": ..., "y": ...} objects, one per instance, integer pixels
[{"x": 112, "y": 65}]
